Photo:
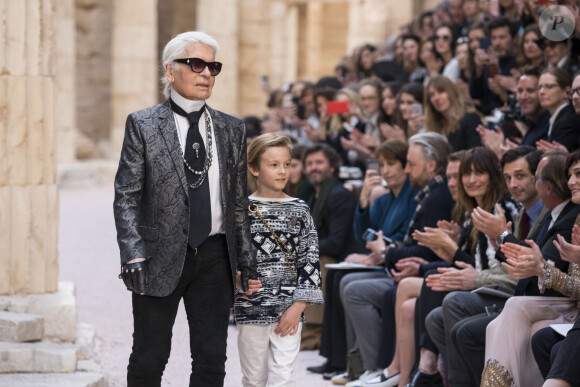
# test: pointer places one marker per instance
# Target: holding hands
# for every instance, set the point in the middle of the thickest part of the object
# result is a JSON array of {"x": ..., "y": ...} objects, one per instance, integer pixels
[{"x": 253, "y": 285}]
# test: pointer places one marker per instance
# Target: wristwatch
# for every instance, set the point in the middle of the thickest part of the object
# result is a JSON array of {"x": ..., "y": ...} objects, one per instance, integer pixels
[
  {"x": 499, "y": 239},
  {"x": 384, "y": 253}
]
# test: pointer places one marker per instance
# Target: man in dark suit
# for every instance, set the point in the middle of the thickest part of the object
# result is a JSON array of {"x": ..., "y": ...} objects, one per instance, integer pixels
[
  {"x": 181, "y": 216},
  {"x": 332, "y": 207}
]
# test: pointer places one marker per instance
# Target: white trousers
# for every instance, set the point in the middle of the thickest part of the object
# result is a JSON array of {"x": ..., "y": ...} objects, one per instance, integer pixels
[{"x": 267, "y": 359}]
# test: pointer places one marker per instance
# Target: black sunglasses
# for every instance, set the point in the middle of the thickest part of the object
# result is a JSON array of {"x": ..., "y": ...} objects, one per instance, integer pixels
[{"x": 198, "y": 65}]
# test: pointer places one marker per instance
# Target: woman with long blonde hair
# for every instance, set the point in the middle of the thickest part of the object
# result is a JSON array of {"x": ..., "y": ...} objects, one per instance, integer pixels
[{"x": 447, "y": 114}]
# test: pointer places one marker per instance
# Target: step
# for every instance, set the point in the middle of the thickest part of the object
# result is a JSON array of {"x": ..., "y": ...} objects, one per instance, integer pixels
[
  {"x": 77, "y": 379},
  {"x": 86, "y": 341},
  {"x": 43, "y": 357},
  {"x": 58, "y": 309},
  {"x": 20, "y": 327}
]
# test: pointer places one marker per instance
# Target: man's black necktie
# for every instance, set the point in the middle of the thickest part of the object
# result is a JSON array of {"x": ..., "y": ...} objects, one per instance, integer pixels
[{"x": 199, "y": 200}]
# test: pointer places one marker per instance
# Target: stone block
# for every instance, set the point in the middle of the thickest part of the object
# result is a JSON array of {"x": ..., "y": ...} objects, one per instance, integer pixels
[
  {"x": 19, "y": 237},
  {"x": 5, "y": 227},
  {"x": 19, "y": 327},
  {"x": 15, "y": 19},
  {"x": 86, "y": 341},
  {"x": 43, "y": 356},
  {"x": 37, "y": 238},
  {"x": 16, "y": 123},
  {"x": 49, "y": 131},
  {"x": 88, "y": 366},
  {"x": 4, "y": 166},
  {"x": 78, "y": 379},
  {"x": 33, "y": 27},
  {"x": 51, "y": 241},
  {"x": 58, "y": 310}
]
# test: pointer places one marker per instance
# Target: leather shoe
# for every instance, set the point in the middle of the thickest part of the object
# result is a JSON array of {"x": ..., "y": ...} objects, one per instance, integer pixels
[
  {"x": 321, "y": 369},
  {"x": 420, "y": 379}
]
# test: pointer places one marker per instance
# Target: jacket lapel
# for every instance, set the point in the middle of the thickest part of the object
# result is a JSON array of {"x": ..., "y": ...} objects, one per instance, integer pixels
[
  {"x": 221, "y": 136},
  {"x": 169, "y": 132}
]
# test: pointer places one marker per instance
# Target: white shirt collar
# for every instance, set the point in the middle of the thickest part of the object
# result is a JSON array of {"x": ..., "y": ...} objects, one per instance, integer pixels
[
  {"x": 562, "y": 61},
  {"x": 187, "y": 105}
]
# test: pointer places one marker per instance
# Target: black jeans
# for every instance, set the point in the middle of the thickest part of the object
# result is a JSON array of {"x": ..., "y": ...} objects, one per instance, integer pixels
[{"x": 206, "y": 289}]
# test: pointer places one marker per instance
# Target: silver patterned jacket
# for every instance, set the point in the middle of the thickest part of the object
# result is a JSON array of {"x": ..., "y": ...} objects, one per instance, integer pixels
[{"x": 151, "y": 195}]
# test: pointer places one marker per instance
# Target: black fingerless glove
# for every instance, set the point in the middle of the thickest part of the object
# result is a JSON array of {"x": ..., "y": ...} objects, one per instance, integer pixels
[
  {"x": 248, "y": 273},
  {"x": 134, "y": 275}
]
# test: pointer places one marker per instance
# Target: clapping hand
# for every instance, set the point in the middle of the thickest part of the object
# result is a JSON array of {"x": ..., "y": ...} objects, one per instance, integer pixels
[
  {"x": 543, "y": 145},
  {"x": 451, "y": 278},
  {"x": 569, "y": 251},
  {"x": 451, "y": 228},
  {"x": 439, "y": 241},
  {"x": 407, "y": 267},
  {"x": 392, "y": 132},
  {"x": 522, "y": 262}
]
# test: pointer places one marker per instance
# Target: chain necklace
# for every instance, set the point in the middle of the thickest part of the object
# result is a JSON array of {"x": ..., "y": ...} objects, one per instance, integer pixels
[
  {"x": 208, "y": 157},
  {"x": 285, "y": 251}
]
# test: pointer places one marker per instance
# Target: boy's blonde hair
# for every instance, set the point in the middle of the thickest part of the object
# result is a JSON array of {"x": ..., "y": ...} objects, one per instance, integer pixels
[{"x": 260, "y": 144}]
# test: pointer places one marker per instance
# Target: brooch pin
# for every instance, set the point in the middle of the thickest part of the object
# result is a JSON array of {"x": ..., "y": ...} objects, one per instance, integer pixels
[{"x": 292, "y": 222}]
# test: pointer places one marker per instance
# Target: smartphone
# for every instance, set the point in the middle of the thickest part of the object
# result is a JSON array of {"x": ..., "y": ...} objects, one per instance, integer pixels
[
  {"x": 371, "y": 235},
  {"x": 484, "y": 43},
  {"x": 492, "y": 69},
  {"x": 373, "y": 165},
  {"x": 337, "y": 107},
  {"x": 417, "y": 109}
]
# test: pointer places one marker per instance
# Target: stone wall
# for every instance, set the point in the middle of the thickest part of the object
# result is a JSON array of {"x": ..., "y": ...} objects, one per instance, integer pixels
[{"x": 28, "y": 192}]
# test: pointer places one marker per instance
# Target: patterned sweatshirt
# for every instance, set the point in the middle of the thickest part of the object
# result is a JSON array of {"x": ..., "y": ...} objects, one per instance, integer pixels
[{"x": 291, "y": 221}]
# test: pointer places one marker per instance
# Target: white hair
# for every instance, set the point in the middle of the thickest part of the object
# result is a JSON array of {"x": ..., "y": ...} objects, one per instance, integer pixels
[{"x": 175, "y": 48}]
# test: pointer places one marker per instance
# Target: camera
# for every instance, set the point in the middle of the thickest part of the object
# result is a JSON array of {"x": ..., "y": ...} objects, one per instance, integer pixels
[
  {"x": 300, "y": 113},
  {"x": 371, "y": 235},
  {"x": 511, "y": 112}
]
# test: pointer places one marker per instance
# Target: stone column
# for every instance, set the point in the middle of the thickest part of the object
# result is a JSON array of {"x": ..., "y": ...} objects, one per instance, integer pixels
[
  {"x": 28, "y": 192},
  {"x": 373, "y": 21},
  {"x": 254, "y": 58},
  {"x": 221, "y": 22},
  {"x": 64, "y": 83},
  {"x": 134, "y": 64}
]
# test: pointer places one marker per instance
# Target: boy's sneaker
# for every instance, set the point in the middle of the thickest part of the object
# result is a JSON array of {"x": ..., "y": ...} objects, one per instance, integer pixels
[{"x": 363, "y": 378}]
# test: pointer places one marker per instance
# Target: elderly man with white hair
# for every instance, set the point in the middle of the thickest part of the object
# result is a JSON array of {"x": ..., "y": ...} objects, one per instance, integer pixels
[{"x": 181, "y": 216}]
